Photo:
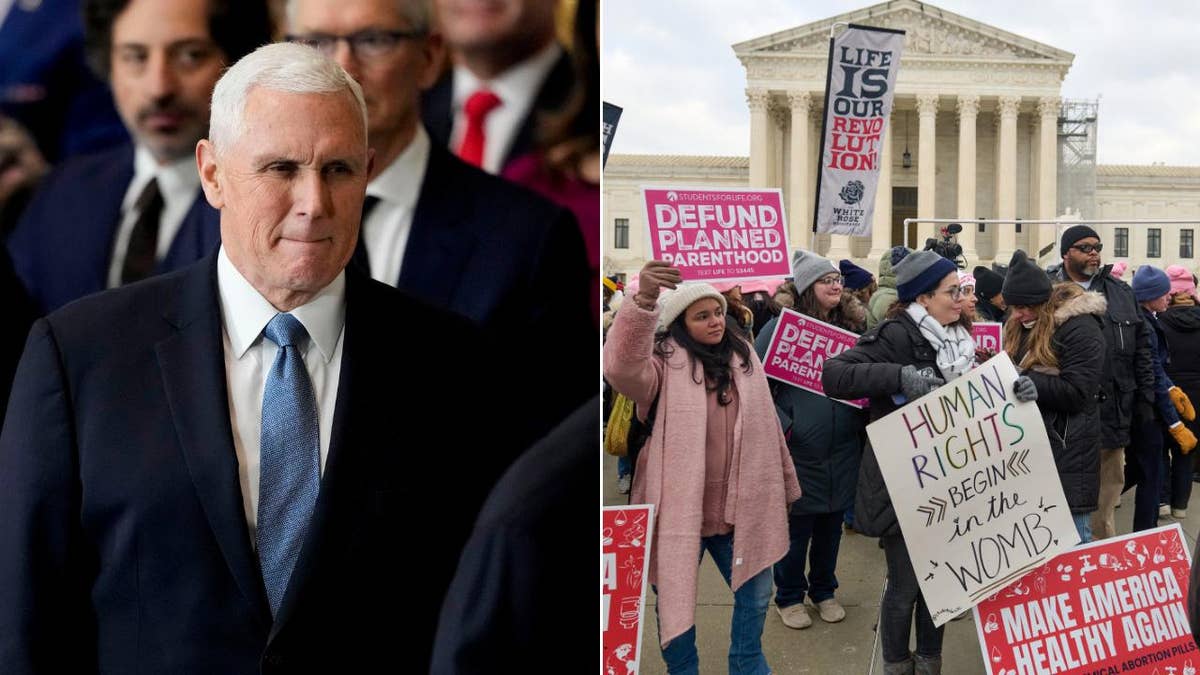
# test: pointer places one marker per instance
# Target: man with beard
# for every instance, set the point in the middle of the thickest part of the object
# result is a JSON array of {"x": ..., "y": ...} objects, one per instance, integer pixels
[
  {"x": 1127, "y": 389},
  {"x": 104, "y": 220}
]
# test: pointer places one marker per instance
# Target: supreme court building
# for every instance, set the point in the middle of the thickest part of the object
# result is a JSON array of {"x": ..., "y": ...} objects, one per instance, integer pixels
[{"x": 978, "y": 131}]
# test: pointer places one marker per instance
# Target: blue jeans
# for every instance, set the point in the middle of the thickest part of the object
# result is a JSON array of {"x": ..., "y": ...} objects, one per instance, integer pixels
[
  {"x": 1083, "y": 525},
  {"x": 745, "y": 631},
  {"x": 824, "y": 530},
  {"x": 622, "y": 466}
]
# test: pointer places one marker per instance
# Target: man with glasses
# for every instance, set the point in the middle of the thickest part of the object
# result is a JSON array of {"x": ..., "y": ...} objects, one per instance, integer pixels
[
  {"x": 438, "y": 228},
  {"x": 1127, "y": 390}
]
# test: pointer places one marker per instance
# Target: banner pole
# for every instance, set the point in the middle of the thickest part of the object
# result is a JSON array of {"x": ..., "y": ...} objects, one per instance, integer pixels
[{"x": 824, "y": 130}]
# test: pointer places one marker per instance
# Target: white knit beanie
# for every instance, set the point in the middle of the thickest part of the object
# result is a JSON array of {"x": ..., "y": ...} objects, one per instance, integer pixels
[{"x": 674, "y": 303}]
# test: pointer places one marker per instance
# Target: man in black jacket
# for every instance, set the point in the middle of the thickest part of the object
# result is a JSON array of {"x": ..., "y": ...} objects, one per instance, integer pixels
[
  {"x": 991, "y": 305},
  {"x": 1129, "y": 382}
]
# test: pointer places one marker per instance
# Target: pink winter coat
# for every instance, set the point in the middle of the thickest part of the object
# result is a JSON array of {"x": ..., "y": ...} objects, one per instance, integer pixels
[{"x": 670, "y": 471}]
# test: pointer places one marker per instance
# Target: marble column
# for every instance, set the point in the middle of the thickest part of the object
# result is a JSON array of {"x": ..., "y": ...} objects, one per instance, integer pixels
[
  {"x": 1048, "y": 107},
  {"x": 1006, "y": 190},
  {"x": 801, "y": 186},
  {"x": 927, "y": 109},
  {"x": 968, "y": 110},
  {"x": 881, "y": 223},
  {"x": 779, "y": 121},
  {"x": 760, "y": 151}
]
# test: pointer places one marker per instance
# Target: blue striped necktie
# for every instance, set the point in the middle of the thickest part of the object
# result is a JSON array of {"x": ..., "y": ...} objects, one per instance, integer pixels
[{"x": 289, "y": 468}]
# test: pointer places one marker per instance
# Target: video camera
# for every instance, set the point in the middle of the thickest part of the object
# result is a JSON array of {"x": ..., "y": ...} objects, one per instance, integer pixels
[{"x": 946, "y": 247}]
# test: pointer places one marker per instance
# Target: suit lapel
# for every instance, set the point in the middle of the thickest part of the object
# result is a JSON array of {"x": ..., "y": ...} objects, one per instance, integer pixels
[
  {"x": 438, "y": 247},
  {"x": 193, "y": 371}
]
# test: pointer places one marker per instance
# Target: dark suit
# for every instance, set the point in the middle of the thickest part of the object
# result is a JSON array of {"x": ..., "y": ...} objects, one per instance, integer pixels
[
  {"x": 513, "y": 599},
  {"x": 62, "y": 245},
  {"x": 437, "y": 107},
  {"x": 514, "y": 263},
  {"x": 124, "y": 545}
]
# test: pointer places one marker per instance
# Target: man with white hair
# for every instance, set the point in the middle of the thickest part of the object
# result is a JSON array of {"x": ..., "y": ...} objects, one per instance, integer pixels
[{"x": 198, "y": 473}]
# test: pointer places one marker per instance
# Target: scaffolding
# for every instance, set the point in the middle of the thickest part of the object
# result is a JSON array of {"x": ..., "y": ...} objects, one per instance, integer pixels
[{"x": 1077, "y": 157}]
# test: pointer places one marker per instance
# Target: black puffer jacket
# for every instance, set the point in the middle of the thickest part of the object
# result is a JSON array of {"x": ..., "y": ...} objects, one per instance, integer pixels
[
  {"x": 1129, "y": 376},
  {"x": 1067, "y": 397},
  {"x": 1181, "y": 326},
  {"x": 988, "y": 312},
  {"x": 825, "y": 438},
  {"x": 872, "y": 370}
]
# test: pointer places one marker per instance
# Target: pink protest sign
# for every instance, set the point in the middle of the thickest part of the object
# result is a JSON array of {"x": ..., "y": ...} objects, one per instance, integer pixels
[
  {"x": 799, "y": 347},
  {"x": 1112, "y": 606},
  {"x": 988, "y": 336},
  {"x": 625, "y": 559},
  {"x": 719, "y": 234}
]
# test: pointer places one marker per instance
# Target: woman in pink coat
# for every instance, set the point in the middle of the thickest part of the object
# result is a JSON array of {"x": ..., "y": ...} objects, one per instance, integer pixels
[{"x": 716, "y": 466}]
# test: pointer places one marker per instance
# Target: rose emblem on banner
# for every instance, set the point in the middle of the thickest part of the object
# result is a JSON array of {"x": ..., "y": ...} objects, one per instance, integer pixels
[{"x": 852, "y": 193}]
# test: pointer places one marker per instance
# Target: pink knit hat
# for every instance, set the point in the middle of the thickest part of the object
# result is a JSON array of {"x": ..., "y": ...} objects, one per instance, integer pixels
[
  {"x": 632, "y": 285},
  {"x": 724, "y": 286},
  {"x": 966, "y": 280},
  {"x": 1118, "y": 269},
  {"x": 1181, "y": 280}
]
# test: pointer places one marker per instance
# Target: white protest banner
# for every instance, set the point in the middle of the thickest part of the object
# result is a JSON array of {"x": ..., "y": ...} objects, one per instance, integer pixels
[
  {"x": 974, "y": 485},
  {"x": 1112, "y": 606},
  {"x": 799, "y": 347},
  {"x": 719, "y": 234},
  {"x": 624, "y": 563},
  {"x": 859, "y": 88}
]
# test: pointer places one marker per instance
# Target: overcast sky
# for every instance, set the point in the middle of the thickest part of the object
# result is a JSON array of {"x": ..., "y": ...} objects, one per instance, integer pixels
[{"x": 670, "y": 65}]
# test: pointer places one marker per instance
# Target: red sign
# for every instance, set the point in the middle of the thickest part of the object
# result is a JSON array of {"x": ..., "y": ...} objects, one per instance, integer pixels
[
  {"x": 624, "y": 562},
  {"x": 799, "y": 347},
  {"x": 1113, "y": 606},
  {"x": 712, "y": 234}
]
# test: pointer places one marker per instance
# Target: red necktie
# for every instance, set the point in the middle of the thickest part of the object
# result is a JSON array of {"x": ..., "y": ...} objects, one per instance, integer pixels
[{"x": 474, "y": 141}]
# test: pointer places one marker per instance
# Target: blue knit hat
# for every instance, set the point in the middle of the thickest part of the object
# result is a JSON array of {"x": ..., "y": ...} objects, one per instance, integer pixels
[
  {"x": 1150, "y": 283},
  {"x": 920, "y": 273},
  {"x": 855, "y": 276}
]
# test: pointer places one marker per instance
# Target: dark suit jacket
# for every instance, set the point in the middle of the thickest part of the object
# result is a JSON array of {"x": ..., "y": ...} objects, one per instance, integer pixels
[
  {"x": 124, "y": 545},
  {"x": 513, "y": 597},
  {"x": 437, "y": 104},
  {"x": 514, "y": 263},
  {"x": 62, "y": 246}
]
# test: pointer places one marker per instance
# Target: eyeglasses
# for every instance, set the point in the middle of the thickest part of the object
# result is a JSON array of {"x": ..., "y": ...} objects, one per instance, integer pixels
[
  {"x": 955, "y": 292},
  {"x": 831, "y": 280},
  {"x": 1088, "y": 248},
  {"x": 364, "y": 44}
]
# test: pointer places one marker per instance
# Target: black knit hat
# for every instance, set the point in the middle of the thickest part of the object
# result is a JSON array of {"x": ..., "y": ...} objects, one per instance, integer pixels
[
  {"x": 1026, "y": 283},
  {"x": 987, "y": 282},
  {"x": 1073, "y": 234}
]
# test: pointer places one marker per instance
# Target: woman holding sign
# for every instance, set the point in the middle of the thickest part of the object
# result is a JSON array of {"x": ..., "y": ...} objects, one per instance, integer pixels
[
  {"x": 716, "y": 466},
  {"x": 825, "y": 438},
  {"x": 923, "y": 342},
  {"x": 1055, "y": 337}
]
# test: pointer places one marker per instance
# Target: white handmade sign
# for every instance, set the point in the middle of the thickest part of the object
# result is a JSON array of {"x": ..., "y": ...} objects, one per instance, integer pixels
[{"x": 974, "y": 485}]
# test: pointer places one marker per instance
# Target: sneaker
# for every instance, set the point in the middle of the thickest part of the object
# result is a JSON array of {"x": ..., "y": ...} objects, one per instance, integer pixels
[
  {"x": 1164, "y": 510},
  {"x": 831, "y": 611},
  {"x": 623, "y": 484},
  {"x": 795, "y": 616},
  {"x": 1179, "y": 513}
]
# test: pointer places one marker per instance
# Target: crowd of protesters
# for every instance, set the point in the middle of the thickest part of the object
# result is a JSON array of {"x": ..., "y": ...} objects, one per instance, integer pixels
[{"x": 1108, "y": 364}]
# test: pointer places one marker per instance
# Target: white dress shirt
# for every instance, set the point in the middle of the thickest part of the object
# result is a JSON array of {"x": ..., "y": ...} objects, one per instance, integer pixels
[
  {"x": 177, "y": 182},
  {"x": 386, "y": 229},
  {"x": 249, "y": 356},
  {"x": 517, "y": 88}
]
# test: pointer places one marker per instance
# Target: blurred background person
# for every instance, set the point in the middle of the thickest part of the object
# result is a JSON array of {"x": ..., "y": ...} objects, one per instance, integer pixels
[
  {"x": 858, "y": 281},
  {"x": 989, "y": 305},
  {"x": 124, "y": 214},
  {"x": 885, "y": 295}
]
